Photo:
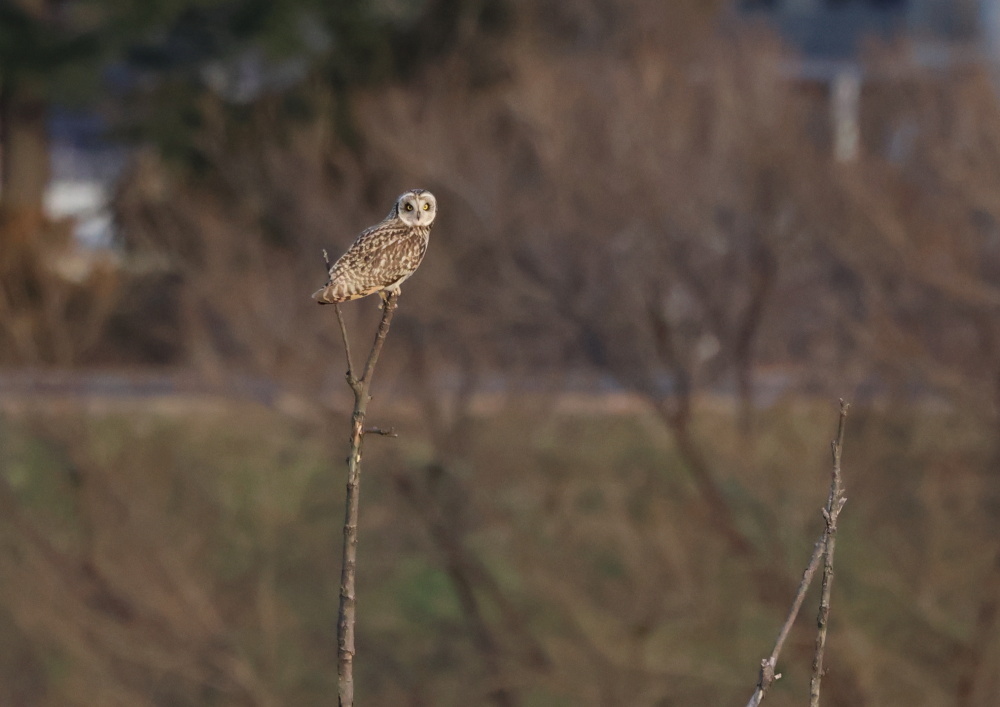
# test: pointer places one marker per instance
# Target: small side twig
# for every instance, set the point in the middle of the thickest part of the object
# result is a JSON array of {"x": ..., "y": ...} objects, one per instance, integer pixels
[
  {"x": 348, "y": 598},
  {"x": 831, "y": 513},
  {"x": 347, "y": 345},
  {"x": 343, "y": 327}
]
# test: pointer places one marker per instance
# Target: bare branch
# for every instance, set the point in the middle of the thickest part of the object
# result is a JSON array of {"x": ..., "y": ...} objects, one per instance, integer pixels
[
  {"x": 348, "y": 598},
  {"x": 822, "y": 549},
  {"x": 388, "y": 308}
]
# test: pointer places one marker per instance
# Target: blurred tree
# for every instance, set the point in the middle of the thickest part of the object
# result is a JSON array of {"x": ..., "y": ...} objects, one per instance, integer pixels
[
  {"x": 160, "y": 70},
  {"x": 238, "y": 53},
  {"x": 147, "y": 56},
  {"x": 39, "y": 51},
  {"x": 44, "y": 53}
]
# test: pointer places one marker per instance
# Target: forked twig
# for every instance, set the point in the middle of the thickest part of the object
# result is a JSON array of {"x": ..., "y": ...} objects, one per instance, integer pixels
[{"x": 823, "y": 549}]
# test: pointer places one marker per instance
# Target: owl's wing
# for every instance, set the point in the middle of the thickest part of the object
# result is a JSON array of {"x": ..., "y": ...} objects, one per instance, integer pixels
[
  {"x": 402, "y": 255},
  {"x": 374, "y": 249},
  {"x": 379, "y": 257},
  {"x": 380, "y": 236}
]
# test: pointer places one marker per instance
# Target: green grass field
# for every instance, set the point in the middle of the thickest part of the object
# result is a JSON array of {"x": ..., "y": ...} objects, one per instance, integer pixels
[{"x": 193, "y": 559}]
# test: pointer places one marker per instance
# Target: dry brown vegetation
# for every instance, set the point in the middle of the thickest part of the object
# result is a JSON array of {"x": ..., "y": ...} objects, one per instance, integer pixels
[
  {"x": 150, "y": 559},
  {"x": 648, "y": 204}
]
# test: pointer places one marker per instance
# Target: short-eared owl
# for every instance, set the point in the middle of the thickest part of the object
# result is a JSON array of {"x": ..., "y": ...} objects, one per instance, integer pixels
[{"x": 385, "y": 254}]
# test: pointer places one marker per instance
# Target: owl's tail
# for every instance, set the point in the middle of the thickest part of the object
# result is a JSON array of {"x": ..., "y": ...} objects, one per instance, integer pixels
[
  {"x": 325, "y": 295},
  {"x": 339, "y": 290}
]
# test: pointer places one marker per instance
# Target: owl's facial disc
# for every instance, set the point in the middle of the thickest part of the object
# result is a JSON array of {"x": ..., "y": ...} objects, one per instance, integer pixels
[{"x": 417, "y": 208}]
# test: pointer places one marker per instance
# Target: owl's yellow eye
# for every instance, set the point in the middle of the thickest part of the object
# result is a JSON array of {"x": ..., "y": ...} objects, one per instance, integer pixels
[
  {"x": 427, "y": 207},
  {"x": 409, "y": 207}
]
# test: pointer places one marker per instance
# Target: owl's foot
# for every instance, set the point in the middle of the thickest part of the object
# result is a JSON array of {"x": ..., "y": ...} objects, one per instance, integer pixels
[{"x": 384, "y": 294}]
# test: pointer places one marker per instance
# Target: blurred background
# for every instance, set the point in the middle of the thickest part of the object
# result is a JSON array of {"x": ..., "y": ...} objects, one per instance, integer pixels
[{"x": 671, "y": 236}]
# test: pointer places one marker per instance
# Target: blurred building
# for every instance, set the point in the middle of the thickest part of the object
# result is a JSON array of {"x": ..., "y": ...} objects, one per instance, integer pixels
[
  {"x": 835, "y": 29},
  {"x": 85, "y": 167},
  {"x": 830, "y": 36}
]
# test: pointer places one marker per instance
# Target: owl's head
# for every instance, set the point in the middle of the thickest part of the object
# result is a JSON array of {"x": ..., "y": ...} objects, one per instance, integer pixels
[{"x": 416, "y": 207}]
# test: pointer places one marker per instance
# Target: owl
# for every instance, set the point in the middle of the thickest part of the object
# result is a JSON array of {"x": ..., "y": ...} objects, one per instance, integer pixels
[{"x": 385, "y": 254}]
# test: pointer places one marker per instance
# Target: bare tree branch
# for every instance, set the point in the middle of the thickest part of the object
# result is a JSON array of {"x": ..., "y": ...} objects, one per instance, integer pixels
[
  {"x": 348, "y": 597},
  {"x": 822, "y": 549},
  {"x": 832, "y": 511}
]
